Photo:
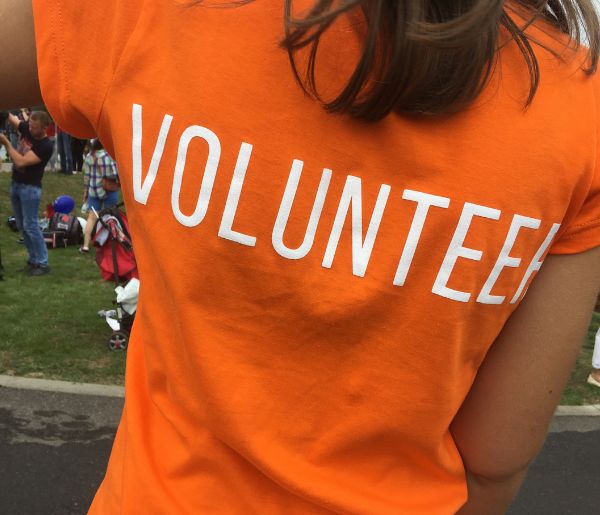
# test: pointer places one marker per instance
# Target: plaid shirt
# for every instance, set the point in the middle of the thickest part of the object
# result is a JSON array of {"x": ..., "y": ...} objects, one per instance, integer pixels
[{"x": 95, "y": 167}]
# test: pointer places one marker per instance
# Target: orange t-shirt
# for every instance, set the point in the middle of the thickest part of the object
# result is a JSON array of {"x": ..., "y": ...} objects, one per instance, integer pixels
[{"x": 317, "y": 293}]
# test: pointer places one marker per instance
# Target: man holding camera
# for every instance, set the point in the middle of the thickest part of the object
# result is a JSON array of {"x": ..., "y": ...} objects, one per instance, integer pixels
[{"x": 29, "y": 160}]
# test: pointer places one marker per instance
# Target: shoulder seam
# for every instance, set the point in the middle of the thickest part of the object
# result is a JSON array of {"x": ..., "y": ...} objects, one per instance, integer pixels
[{"x": 574, "y": 231}]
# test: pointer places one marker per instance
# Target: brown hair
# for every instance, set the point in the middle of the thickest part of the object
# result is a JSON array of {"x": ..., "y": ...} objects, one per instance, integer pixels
[
  {"x": 96, "y": 145},
  {"x": 41, "y": 116},
  {"x": 431, "y": 57}
]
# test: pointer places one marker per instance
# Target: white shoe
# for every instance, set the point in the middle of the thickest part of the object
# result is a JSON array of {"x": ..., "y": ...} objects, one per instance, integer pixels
[{"x": 591, "y": 380}]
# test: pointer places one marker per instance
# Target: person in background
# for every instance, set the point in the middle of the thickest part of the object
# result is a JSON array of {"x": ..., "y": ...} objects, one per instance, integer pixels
[
  {"x": 20, "y": 144},
  {"x": 29, "y": 160},
  {"x": 101, "y": 190},
  {"x": 594, "y": 377},
  {"x": 365, "y": 299},
  {"x": 51, "y": 132},
  {"x": 12, "y": 134},
  {"x": 77, "y": 151},
  {"x": 23, "y": 116},
  {"x": 63, "y": 140}
]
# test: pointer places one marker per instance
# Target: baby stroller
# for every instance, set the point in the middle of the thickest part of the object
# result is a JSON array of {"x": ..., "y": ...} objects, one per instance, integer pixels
[{"x": 116, "y": 261}]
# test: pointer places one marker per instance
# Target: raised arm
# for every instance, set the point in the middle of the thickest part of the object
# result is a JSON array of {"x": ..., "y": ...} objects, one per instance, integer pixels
[
  {"x": 14, "y": 120},
  {"x": 502, "y": 423},
  {"x": 19, "y": 85}
]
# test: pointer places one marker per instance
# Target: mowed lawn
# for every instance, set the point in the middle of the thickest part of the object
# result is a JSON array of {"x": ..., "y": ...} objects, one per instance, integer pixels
[{"x": 49, "y": 325}]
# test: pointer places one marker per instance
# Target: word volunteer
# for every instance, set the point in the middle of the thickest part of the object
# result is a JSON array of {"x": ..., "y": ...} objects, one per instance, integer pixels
[{"x": 350, "y": 198}]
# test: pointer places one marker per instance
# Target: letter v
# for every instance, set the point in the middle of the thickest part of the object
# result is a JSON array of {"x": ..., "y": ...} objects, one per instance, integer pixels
[{"x": 142, "y": 190}]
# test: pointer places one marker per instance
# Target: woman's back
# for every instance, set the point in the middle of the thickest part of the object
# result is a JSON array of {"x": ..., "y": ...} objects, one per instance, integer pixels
[{"x": 307, "y": 344}]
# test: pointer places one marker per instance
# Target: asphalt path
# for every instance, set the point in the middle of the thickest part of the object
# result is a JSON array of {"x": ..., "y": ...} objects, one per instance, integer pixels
[
  {"x": 565, "y": 477},
  {"x": 54, "y": 448}
]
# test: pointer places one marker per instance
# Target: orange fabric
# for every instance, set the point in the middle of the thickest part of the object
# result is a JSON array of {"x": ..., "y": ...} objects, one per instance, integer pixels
[{"x": 280, "y": 365}]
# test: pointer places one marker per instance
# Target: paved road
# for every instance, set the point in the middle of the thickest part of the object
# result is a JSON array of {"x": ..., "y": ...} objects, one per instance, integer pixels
[
  {"x": 54, "y": 448},
  {"x": 565, "y": 477}
]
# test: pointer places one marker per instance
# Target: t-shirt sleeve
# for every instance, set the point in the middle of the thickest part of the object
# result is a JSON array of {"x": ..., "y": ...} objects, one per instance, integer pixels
[
  {"x": 79, "y": 45},
  {"x": 43, "y": 149},
  {"x": 583, "y": 230}
]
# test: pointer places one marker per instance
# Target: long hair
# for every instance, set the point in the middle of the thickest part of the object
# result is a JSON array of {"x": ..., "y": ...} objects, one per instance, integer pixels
[{"x": 431, "y": 57}]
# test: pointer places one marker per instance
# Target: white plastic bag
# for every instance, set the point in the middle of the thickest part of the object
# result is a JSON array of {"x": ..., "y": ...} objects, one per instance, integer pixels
[{"x": 127, "y": 296}]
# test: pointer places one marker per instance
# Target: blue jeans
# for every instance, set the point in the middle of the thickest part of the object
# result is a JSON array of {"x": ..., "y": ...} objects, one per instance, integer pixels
[
  {"x": 64, "y": 151},
  {"x": 25, "y": 200}
]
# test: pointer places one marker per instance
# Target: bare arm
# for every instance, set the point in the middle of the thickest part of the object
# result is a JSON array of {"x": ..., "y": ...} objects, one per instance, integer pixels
[
  {"x": 14, "y": 121},
  {"x": 21, "y": 161},
  {"x": 29, "y": 159},
  {"x": 504, "y": 419},
  {"x": 19, "y": 85}
]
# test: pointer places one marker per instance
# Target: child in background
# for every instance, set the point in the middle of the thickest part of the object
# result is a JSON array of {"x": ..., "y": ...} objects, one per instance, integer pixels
[{"x": 101, "y": 188}]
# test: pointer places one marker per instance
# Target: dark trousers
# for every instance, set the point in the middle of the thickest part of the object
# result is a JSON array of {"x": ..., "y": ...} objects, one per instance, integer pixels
[
  {"x": 64, "y": 152},
  {"x": 77, "y": 147}
]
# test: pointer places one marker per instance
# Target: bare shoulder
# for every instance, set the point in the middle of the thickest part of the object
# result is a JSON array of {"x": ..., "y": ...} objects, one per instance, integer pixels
[{"x": 19, "y": 84}]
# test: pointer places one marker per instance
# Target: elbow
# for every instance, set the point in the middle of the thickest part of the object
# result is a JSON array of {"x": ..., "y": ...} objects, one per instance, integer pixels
[
  {"x": 492, "y": 467},
  {"x": 495, "y": 456},
  {"x": 495, "y": 473}
]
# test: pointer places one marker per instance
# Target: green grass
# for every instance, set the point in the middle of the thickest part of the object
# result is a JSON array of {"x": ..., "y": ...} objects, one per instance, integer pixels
[{"x": 49, "y": 327}]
